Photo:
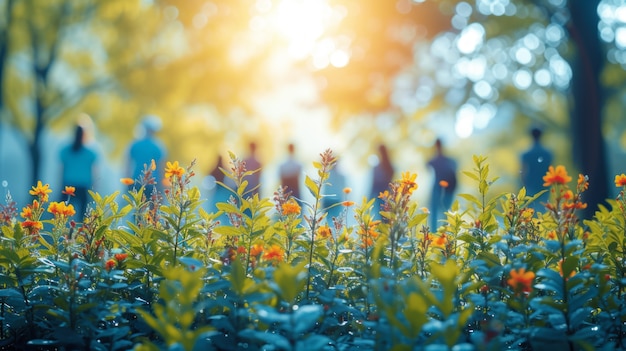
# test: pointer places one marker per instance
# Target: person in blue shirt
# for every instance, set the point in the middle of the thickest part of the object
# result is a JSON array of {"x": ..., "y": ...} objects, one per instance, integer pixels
[
  {"x": 444, "y": 185},
  {"x": 253, "y": 164},
  {"x": 382, "y": 175},
  {"x": 142, "y": 151},
  {"x": 534, "y": 165},
  {"x": 78, "y": 163},
  {"x": 290, "y": 172}
]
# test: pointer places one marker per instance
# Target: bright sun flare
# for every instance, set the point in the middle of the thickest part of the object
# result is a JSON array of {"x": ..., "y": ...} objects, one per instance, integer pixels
[{"x": 302, "y": 23}]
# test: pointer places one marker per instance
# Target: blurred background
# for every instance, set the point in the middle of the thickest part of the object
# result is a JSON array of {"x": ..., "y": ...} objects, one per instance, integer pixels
[{"x": 342, "y": 74}]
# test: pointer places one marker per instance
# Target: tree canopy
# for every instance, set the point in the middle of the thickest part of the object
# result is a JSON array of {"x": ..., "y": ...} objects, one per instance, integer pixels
[{"x": 400, "y": 71}]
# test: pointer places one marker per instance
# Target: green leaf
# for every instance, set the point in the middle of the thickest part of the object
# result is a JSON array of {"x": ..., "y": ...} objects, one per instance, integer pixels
[
  {"x": 290, "y": 280},
  {"x": 277, "y": 341},
  {"x": 305, "y": 317},
  {"x": 312, "y": 186},
  {"x": 238, "y": 277}
]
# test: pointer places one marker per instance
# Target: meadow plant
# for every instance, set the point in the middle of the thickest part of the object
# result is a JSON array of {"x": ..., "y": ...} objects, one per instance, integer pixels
[{"x": 152, "y": 270}]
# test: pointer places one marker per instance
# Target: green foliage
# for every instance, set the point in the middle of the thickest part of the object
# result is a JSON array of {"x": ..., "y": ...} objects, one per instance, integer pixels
[{"x": 161, "y": 273}]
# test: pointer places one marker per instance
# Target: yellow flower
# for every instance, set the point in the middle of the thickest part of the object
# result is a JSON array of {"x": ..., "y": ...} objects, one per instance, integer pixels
[
  {"x": 173, "y": 169},
  {"x": 620, "y": 180},
  {"x": 291, "y": 207},
  {"x": 41, "y": 191},
  {"x": 521, "y": 281},
  {"x": 407, "y": 183},
  {"x": 556, "y": 175},
  {"x": 324, "y": 231}
]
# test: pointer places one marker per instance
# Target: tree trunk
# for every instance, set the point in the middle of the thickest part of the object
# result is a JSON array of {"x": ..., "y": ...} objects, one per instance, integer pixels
[{"x": 587, "y": 101}]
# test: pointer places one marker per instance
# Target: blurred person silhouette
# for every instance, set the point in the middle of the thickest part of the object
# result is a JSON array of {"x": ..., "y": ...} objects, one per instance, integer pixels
[
  {"x": 382, "y": 175},
  {"x": 253, "y": 164},
  {"x": 78, "y": 169},
  {"x": 145, "y": 149},
  {"x": 217, "y": 192},
  {"x": 444, "y": 184},
  {"x": 534, "y": 165},
  {"x": 290, "y": 172},
  {"x": 333, "y": 191}
]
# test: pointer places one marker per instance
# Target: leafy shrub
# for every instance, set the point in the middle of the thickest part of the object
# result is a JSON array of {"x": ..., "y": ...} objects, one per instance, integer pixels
[{"x": 161, "y": 273}]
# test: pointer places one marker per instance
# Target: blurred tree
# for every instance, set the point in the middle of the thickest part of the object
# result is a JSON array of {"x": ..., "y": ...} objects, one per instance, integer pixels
[
  {"x": 119, "y": 59},
  {"x": 494, "y": 63}
]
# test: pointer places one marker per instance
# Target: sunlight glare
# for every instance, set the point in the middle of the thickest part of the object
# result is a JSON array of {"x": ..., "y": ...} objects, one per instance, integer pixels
[{"x": 301, "y": 23}]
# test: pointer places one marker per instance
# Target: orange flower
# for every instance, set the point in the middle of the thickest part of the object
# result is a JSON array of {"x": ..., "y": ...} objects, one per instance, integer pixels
[
  {"x": 152, "y": 165},
  {"x": 577, "y": 205},
  {"x": 443, "y": 184},
  {"x": 521, "y": 281},
  {"x": 110, "y": 264},
  {"x": 127, "y": 181},
  {"x": 383, "y": 195},
  {"x": 324, "y": 232},
  {"x": 27, "y": 212},
  {"x": 367, "y": 242},
  {"x": 274, "y": 253},
  {"x": 441, "y": 241},
  {"x": 347, "y": 190},
  {"x": 61, "y": 209},
  {"x": 569, "y": 195},
  {"x": 556, "y": 175},
  {"x": 583, "y": 182},
  {"x": 348, "y": 203},
  {"x": 371, "y": 232},
  {"x": 173, "y": 169},
  {"x": 32, "y": 226},
  {"x": 120, "y": 256},
  {"x": 41, "y": 190},
  {"x": 620, "y": 180},
  {"x": 552, "y": 235},
  {"x": 69, "y": 190},
  {"x": 256, "y": 250},
  {"x": 291, "y": 207}
]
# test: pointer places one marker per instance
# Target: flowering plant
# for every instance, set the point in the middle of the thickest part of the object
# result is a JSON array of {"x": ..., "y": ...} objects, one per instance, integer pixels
[{"x": 155, "y": 270}]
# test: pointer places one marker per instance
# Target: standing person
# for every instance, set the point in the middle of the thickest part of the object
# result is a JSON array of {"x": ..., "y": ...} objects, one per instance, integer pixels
[
  {"x": 78, "y": 163},
  {"x": 290, "y": 172},
  {"x": 217, "y": 192},
  {"x": 334, "y": 192},
  {"x": 142, "y": 151},
  {"x": 253, "y": 164},
  {"x": 382, "y": 175},
  {"x": 444, "y": 184},
  {"x": 534, "y": 165}
]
